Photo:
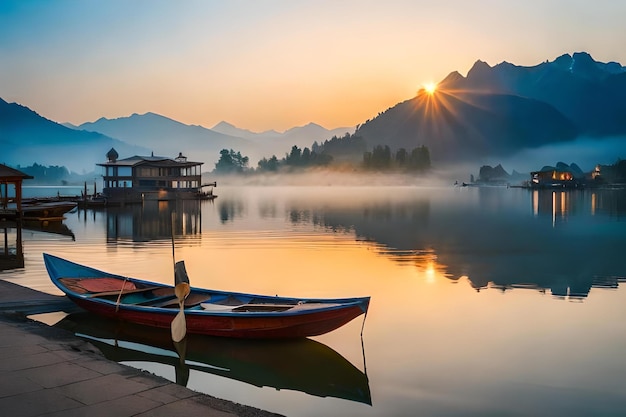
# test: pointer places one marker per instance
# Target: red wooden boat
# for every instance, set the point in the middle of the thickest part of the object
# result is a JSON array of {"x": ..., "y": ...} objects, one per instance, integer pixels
[{"x": 208, "y": 312}]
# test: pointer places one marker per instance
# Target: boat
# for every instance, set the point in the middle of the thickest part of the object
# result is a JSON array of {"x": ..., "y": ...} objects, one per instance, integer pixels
[
  {"x": 303, "y": 365},
  {"x": 46, "y": 210},
  {"x": 206, "y": 312}
]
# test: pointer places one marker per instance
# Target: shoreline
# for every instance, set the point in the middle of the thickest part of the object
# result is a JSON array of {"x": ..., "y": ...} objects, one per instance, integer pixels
[{"x": 48, "y": 370}]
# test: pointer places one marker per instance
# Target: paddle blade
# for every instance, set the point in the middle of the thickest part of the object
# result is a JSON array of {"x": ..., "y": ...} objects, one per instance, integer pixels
[
  {"x": 182, "y": 290},
  {"x": 179, "y": 326}
]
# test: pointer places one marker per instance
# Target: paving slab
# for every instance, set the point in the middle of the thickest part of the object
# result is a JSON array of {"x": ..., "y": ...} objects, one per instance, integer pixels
[{"x": 46, "y": 371}]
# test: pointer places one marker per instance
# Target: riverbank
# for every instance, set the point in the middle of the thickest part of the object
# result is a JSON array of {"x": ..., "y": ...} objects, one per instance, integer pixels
[{"x": 46, "y": 370}]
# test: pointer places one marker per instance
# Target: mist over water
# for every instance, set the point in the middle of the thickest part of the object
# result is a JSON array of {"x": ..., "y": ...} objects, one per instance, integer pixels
[{"x": 586, "y": 152}]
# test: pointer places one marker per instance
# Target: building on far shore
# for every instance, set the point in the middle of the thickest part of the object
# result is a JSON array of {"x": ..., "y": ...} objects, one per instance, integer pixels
[
  {"x": 560, "y": 176},
  {"x": 140, "y": 178}
]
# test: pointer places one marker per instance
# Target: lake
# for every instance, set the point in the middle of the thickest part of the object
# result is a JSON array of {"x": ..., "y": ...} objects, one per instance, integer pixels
[{"x": 485, "y": 301}]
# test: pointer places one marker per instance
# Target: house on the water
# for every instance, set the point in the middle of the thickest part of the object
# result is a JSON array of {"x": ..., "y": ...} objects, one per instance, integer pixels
[
  {"x": 560, "y": 176},
  {"x": 140, "y": 178}
]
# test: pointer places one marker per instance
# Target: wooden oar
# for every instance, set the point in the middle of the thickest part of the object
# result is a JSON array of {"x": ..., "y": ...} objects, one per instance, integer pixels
[
  {"x": 179, "y": 324},
  {"x": 182, "y": 289}
]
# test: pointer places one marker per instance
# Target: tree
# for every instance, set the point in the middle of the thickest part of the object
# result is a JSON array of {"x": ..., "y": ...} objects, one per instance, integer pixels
[
  {"x": 401, "y": 157},
  {"x": 420, "y": 159},
  {"x": 271, "y": 164},
  {"x": 231, "y": 162},
  {"x": 379, "y": 158},
  {"x": 294, "y": 156},
  {"x": 305, "y": 159}
]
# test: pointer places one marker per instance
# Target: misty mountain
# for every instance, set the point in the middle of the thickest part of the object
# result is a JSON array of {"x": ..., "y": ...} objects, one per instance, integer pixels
[
  {"x": 168, "y": 137},
  {"x": 165, "y": 136},
  {"x": 232, "y": 130},
  {"x": 468, "y": 126},
  {"x": 272, "y": 142},
  {"x": 27, "y": 138},
  {"x": 501, "y": 110}
]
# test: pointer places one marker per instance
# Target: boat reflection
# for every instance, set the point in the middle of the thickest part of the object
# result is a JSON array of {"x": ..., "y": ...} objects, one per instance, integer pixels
[
  {"x": 152, "y": 220},
  {"x": 301, "y": 365},
  {"x": 57, "y": 228}
]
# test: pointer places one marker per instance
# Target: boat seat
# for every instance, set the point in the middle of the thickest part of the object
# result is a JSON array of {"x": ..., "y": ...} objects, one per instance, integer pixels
[{"x": 124, "y": 292}]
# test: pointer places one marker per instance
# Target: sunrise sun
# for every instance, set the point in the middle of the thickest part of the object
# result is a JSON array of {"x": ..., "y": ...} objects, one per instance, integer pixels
[{"x": 430, "y": 87}]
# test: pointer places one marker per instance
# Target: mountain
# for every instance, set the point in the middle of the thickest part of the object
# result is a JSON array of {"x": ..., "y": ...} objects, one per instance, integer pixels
[
  {"x": 26, "y": 138},
  {"x": 169, "y": 137},
  {"x": 467, "y": 126},
  {"x": 230, "y": 129},
  {"x": 591, "y": 94},
  {"x": 501, "y": 110},
  {"x": 272, "y": 142}
]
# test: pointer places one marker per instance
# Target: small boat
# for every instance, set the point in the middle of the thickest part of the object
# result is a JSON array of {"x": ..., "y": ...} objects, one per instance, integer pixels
[
  {"x": 207, "y": 312},
  {"x": 47, "y": 210}
]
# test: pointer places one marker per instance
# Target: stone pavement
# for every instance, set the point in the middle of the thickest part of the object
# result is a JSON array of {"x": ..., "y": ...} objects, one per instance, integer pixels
[{"x": 45, "y": 371}]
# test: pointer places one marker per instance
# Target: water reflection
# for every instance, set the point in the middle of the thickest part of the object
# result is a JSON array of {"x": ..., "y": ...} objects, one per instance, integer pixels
[
  {"x": 301, "y": 365},
  {"x": 230, "y": 208},
  {"x": 564, "y": 203},
  {"x": 152, "y": 220},
  {"x": 56, "y": 227},
  {"x": 496, "y": 242},
  {"x": 12, "y": 249}
]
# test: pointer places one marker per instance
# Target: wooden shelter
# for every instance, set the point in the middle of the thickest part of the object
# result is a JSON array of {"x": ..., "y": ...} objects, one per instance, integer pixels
[
  {"x": 11, "y": 176},
  {"x": 11, "y": 257}
]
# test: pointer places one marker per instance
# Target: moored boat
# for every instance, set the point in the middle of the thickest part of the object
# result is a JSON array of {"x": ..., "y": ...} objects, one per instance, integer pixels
[
  {"x": 208, "y": 312},
  {"x": 47, "y": 210}
]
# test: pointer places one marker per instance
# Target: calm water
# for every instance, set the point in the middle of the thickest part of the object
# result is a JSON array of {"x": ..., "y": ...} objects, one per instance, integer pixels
[{"x": 485, "y": 301}]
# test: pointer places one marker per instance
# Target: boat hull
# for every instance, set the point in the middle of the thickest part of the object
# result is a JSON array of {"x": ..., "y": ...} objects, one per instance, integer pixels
[{"x": 314, "y": 324}]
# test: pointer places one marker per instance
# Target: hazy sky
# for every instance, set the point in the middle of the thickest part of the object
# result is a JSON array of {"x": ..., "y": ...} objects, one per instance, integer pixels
[{"x": 275, "y": 64}]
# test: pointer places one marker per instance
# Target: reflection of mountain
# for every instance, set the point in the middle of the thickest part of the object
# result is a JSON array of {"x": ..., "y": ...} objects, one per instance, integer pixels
[
  {"x": 152, "y": 220},
  {"x": 497, "y": 238},
  {"x": 302, "y": 365},
  {"x": 398, "y": 227}
]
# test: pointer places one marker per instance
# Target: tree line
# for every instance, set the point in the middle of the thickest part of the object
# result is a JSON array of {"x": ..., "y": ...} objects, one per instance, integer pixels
[
  {"x": 46, "y": 174},
  {"x": 347, "y": 149}
]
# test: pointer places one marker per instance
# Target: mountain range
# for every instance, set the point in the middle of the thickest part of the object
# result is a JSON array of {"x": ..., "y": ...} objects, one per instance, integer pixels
[
  {"x": 165, "y": 136},
  {"x": 492, "y": 112},
  {"x": 500, "y": 110},
  {"x": 27, "y": 138}
]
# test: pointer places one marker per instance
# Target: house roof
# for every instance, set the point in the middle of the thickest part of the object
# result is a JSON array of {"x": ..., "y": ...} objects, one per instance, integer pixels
[
  {"x": 8, "y": 173},
  {"x": 155, "y": 160}
]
